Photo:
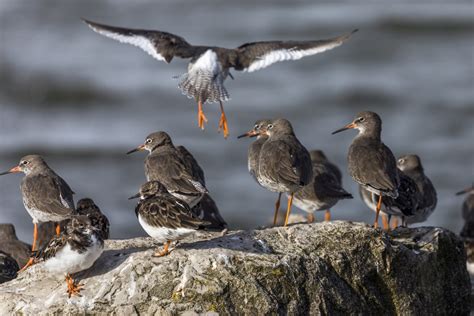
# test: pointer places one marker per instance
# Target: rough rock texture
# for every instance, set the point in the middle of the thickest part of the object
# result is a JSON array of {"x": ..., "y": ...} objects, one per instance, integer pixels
[{"x": 323, "y": 268}]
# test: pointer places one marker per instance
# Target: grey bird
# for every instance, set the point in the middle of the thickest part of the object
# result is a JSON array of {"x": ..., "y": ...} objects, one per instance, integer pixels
[
  {"x": 164, "y": 217},
  {"x": 255, "y": 146},
  {"x": 411, "y": 165},
  {"x": 467, "y": 231},
  {"x": 370, "y": 162},
  {"x": 46, "y": 196},
  {"x": 167, "y": 165},
  {"x": 8, "y": 267},
  {"x": 404, "y": 206},
  {"x": 9, "y": 243},
  {"x": 209, "y": 66},
  {"x": 324, "y": 190},
  {"x": 285, "y": 164},
  {"x": 87, "y": 207},
  {"x": 74, "y": 250},
  {"x": 206, "y": 209}
]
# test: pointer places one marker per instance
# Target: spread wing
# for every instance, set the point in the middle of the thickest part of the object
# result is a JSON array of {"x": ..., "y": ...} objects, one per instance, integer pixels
[
  {"x": 45, "y": 193},
  {"x": 167, "y": 211},
  {"x": 160, "y": 45},
  {"x": 258, "y": 55},
  {"x": 173, "y": 173}
]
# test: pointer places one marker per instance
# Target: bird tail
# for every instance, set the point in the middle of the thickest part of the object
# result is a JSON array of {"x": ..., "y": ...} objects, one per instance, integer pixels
[{"x": 203, "y": 86}]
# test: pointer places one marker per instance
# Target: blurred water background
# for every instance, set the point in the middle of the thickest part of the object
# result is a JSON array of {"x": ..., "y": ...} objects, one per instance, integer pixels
[{"x": 83, "y": 100}]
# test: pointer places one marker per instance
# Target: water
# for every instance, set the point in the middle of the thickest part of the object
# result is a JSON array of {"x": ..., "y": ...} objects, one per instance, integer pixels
[{"x": 83, "y": 100}]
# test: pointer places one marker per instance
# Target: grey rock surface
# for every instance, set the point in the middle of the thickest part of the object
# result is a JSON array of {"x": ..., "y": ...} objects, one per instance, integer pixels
[{"x": 322, "y": 268}]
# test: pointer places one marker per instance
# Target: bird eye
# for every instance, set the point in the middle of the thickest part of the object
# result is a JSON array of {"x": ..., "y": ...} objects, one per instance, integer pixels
[
  {"x": 148, "y": 140},
  {"x": 24, "y": 162},
  {"x": 401, "y": 160},
  {"x": 270, "y": 126},
  {"x": 361, "y": 119}
]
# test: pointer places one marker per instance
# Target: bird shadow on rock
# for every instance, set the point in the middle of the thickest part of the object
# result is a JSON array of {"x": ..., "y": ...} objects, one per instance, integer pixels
[
  {"x": 238, "y": 241},
  {"x": 108, "y": 261}
]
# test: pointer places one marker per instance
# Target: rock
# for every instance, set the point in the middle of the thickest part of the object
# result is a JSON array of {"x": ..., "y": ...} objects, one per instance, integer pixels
[{"x": 323, "y": 268}]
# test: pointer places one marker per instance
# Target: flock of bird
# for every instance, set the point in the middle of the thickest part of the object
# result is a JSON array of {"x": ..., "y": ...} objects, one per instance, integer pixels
[{"x": 174, "y": 202}]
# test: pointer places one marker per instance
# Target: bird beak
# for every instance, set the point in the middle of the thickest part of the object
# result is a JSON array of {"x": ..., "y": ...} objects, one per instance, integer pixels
[
  {"x": 136, "y": 196},
  {"x": 464, "y": 191},
  {"x": 139, "y": 148},
  {"x": 12, "y": 170},
  {"x": 250, "y": 133},
  {"x": 348, "y": 126}
]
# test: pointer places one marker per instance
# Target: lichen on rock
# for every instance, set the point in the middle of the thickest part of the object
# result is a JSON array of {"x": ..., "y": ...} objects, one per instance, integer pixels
[{"x": 321, "y": 268}]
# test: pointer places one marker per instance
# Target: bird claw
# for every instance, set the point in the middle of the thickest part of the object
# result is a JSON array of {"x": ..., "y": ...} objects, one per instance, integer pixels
[
  {"x": 223, "y": 125},
  {"x": 73, "y": 287}
]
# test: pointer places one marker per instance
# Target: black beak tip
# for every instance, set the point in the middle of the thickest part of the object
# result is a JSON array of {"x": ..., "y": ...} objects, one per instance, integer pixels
[{"x": 4, "y": 173}]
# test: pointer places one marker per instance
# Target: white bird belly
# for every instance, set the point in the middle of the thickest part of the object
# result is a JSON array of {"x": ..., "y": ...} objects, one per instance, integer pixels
[
  {"x": 70, "y": 261},
  {"x": 163, "y": 234}
]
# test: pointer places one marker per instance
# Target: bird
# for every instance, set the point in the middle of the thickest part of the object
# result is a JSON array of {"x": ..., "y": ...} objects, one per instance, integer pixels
[
  {"x": 255, "y": 146},
  {"x": 209, "y": 66},
  {"x": 467, "y": 231},
  {"x": 164, "y": 217},
  {"x": 284, "y": 164},
  {"x": 166, "y": 164},
  {"x": 324, "y": 190},
  {"x": 74, "y": 250},
  {"x": 370, "y": 162},
  {"x": 411, "y": 165},
  {"x": 87, "y": 207},
  {"x": 46, "y": 196},
  {"x": 207, "y": 208},
  {"x": 405, "y": 205},
  {"x": 9, "y": 243},
  {"x": 8, "y": 267}
]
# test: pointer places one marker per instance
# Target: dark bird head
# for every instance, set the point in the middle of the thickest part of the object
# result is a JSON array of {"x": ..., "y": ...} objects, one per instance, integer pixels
[
  {"x": 28, "y": 164},
  {"x": 368, "y": 123},
  {"x": 469, "y": 190},
  {"x": 258, "y": 129},
  {"x": 317, "y": 155},
  {"x": 153, "y": 141},
  {"x": 150, "y": 189},
  {"x": 79, "y": 224},
  {"x": 409, "y": 163},
  {"x": 279, "y": 126},
  {"x": 86, "y": 205}
]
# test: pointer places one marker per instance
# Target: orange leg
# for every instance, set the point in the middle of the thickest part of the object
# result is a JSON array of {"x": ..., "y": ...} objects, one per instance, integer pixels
[
  {"x": 377, "y": 211},
  {"x": 27, "y": 265},
  {"x": 327, "y": 216},
  {"x": 35, "y": 237},
  {"x": 58, "y": 229},
  {"x": 288, "y": 209},
  {"x": 395, "y": 223},
  {"x": 201, "y": 117},
  {"x": 277, "y": 209},
  {"x": 310, "y": 218},
  {"x": 223, "y": 122},
  {"x": 165, "y": 250},
  {"x": 73, "y": 288},
  {"x": 386, "y": 222}
]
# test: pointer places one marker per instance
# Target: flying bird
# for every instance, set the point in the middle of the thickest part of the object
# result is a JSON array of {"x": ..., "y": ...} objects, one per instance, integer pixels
[{"x": 209, "y": 66}]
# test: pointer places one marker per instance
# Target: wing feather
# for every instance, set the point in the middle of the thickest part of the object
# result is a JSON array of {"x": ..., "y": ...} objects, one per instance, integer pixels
[{"x": 259, "y": 55}]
